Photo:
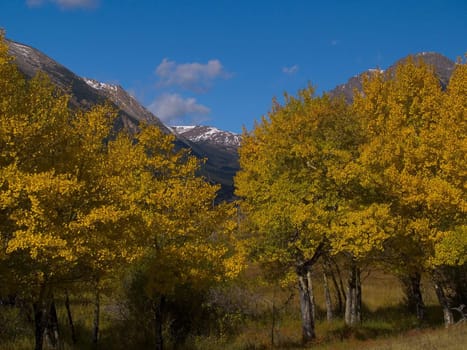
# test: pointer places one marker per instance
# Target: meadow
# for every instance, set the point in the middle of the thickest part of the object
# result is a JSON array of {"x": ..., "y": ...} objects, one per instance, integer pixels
[{"x": 386, "y": 324}]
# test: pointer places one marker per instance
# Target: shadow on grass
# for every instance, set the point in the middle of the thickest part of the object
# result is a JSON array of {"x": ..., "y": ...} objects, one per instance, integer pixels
[
  {"x": 128, "y": 334},
  {"x": 383, "y": 322}
]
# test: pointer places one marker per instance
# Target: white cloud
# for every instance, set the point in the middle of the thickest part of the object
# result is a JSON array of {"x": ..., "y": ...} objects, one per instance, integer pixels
[
  {"x": 290, "y": 70},
  {"x": 335, "y": 42},
  {"x": 65, "y": 4},
  {"x": 196, "y": 77},
  {"x": 172, "y": 107}
]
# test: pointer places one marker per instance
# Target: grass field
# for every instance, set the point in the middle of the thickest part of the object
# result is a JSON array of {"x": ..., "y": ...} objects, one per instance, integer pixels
[
  {"x": 454, "y": 338},
  {"x": 385, "y": 324}
]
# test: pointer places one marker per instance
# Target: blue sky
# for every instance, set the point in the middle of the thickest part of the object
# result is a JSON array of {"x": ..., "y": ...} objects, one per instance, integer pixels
[{"x": 220, "y": 62}]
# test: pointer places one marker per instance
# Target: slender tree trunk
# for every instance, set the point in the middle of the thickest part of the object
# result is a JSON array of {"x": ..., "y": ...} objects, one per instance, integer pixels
[
  {"x": 443, "y": 300},
  {"x": 70, "y": 317},
  {"x": 52, "y": 331},
  {"x": 340, "y": 294},
  {"x": 353, "y": 303},
  {"x": 40, "y": 317},
  {"x": 158, "y": 306},
  {"x": 39, "y": 324},
  {"x": 341, "y": 283},
  {"x": 96, "y": 320},
  {"x": 413, "y": 293},
  {"x": 349, "y": 305},
  {"x": 305, "y": 288},
  {"x": 273, "y": 321},
  {"x": 312, "y": 295},
  {"x": 358, "y": 304},
  {"x": 327, "y": 297},
  {"x": 308, "y": 322}
]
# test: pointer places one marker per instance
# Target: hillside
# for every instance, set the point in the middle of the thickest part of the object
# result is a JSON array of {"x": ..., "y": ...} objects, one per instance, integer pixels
[
  {"x": 442, "y": 65},
  {"x": 220, "y": 166},
  {"x": 217, "y": 147}
]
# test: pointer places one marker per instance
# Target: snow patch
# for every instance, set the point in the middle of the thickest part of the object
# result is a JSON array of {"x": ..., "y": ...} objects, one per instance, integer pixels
[
  {"x": 25, "y": 50},
  {"x": 182, "y": 128},
  {"x": 210, "y": 134},
  {"x": 100, "y": 86}
]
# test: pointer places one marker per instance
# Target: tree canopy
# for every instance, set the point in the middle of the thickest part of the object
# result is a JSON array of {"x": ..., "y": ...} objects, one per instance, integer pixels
[
  {"x": 80, "y": 200},
  {"x": 383, "y": 178}
]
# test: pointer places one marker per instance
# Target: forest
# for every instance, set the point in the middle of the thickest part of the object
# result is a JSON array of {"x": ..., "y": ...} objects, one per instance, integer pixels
[{"x": 350, "y": 222}]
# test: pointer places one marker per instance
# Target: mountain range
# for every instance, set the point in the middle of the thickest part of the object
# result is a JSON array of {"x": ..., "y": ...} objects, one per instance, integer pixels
[
  {"x": 219, "y": 148},
  {"x": 442, "y": 65},
  {"x": 221, "y": 162}
]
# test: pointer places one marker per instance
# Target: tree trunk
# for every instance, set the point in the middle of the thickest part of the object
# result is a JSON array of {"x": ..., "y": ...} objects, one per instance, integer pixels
[
  {"x": 353, "y": 305},
  {"x": 312, "y": 295},
  {"x": 158, "y": 306},
  {"x": 273, "y": 320},
  {"x": 39, "y": 324},
  {"x": 451, "y": 288},
  {"x": 52, "y": 333},
  {"x": 443, "y": 300},
  {"x": 341, "y": 283},
  {"x": 327, "y": 298},
  {"x": 70, "y": 317},
  {"x": 305, "y": 288},
  {"x": 96, "y": 320},
  {"x": 40, "y": 317},
  {"x": 413, "y": 294},
  {"x": 308, "y": 322},
  {"x": 339, "y": 289}
]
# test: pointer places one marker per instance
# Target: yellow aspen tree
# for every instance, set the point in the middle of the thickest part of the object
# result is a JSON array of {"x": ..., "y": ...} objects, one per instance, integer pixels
[
  {"x": 38, "y": 196},
  {"x": 450, "y": 195},
  {"x": 61, "y": 220},
  {"x": 185, "y": 240},
  {"x": 78, "y": 200},
  {"x": 446, "y": 197},
  {"x": 408, "y": 123},
  {"x": 294, "y": 183}
]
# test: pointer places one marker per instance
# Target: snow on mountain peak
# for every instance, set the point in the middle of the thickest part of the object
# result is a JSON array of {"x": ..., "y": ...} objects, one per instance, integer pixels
[
  {"x": 180, "y": 129},
  {"x": 100, "y": 86},
  {"x": 199, "y": 133},
  {"x": 376, "y": 70}
]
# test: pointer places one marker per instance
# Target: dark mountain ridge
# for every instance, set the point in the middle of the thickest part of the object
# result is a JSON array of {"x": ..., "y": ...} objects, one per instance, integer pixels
[
  {"x": 30, "y": 61},
  {"x": 220, "y": 166},
  {"x": 219, "y": 148}
]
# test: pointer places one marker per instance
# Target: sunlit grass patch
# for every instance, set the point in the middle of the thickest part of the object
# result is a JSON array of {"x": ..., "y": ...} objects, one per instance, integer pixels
[{"x": 454, "y": 338}]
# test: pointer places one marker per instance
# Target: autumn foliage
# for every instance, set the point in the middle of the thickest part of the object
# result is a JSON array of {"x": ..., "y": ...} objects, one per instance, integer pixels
[
  {"x": 80, "y": 202},
  {"x": 324, "y": 187},
  {"x": 381, "y": 181}
]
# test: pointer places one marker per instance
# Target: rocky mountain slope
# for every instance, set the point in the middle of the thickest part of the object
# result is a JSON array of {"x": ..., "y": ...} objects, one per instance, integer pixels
[
  {"x": 220, "y": 148},
  {"x": 83, "y": 93},
  {"x": 442, "y": 65},
  {"x": 208, "y": 134},
  {"x": 221, "y": 164}
]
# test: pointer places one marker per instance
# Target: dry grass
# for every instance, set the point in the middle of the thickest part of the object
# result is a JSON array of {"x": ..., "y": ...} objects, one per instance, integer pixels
[
  {"x": 385, "y": 324},
  {"x": 454, "y": 338}
]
